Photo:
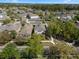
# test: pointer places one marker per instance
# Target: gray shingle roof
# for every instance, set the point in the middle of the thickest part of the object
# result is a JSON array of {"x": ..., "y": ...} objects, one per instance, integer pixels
[
  {"x": 39, "y": 28},
  {"x": 9, "y": 27},
  {"x": 26, "y": 30}
]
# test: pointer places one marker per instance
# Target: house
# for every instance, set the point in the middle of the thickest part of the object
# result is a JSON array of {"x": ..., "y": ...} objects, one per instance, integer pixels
[
  {"x": 33, "y": 19},
  {"x": 3, "y": 15},
  {"x": 39, "y": 29},
  {"x": 65, "y": 17},
  {"x": 9, "y": 27},
  {"x": 17, "y": 10},
  {"x": 30, "y": 10},
  {"x": 26, "y": 30},
  {"x": 33, "y": 16}
]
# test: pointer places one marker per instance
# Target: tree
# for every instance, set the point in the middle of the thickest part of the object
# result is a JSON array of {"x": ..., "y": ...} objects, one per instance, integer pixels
[
  {"x": 63, "y": 51},
  {"x": 35, "y": 48},
  {"x": 6, "y": 21},
  {"x": 63, "y": 30},
  {"x": 70, "y": 31},
  {"x": 13, "y": 34},
  {"x": 10, "y": 52},
  {"x": 76, "y": 18},
  {"x": 54, "y": 28},
  {"x": 4, "y": 36}
]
